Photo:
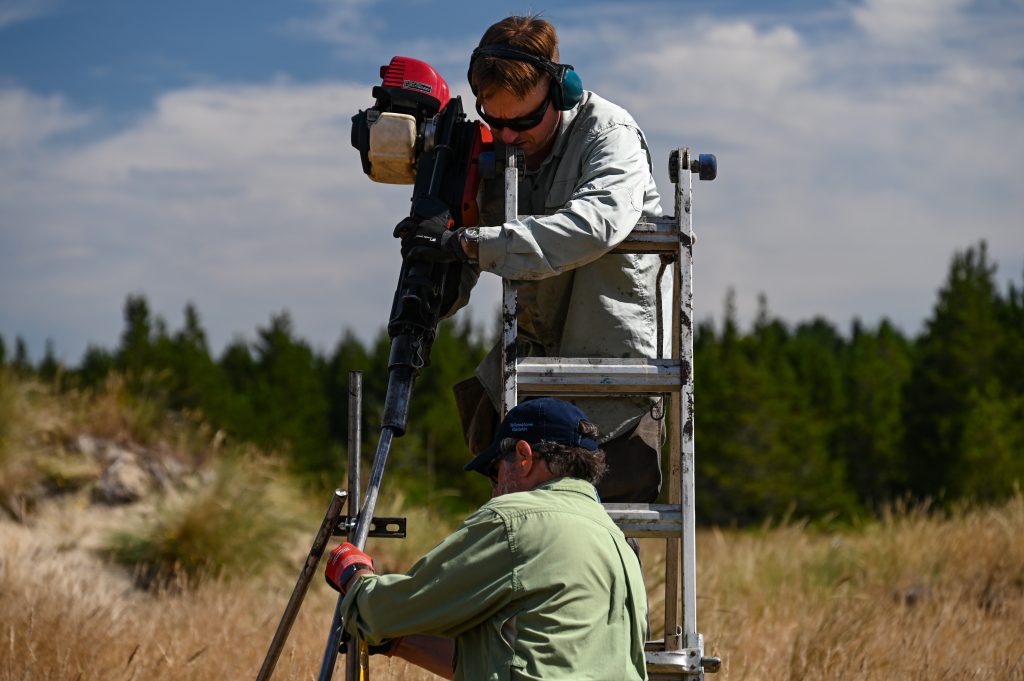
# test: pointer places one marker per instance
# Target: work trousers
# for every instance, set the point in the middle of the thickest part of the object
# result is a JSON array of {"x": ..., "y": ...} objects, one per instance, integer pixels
[{"x": 633, "y": 458}]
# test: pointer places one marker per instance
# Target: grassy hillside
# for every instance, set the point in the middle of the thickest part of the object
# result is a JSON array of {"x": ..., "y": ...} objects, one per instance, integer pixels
[{"x": 91, "y": 590}]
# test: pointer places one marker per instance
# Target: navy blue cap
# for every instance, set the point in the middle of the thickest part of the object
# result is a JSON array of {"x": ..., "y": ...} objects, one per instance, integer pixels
[{"x": 545, "y": 418}]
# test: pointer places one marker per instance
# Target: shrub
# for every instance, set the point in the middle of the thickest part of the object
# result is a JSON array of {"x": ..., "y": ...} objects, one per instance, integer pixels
[
  {"x": 21, "y": 481},
  {"x": 237, "y": 523}
]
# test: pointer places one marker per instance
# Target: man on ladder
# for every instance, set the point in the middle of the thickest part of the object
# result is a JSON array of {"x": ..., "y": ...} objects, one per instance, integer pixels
[{"x": 588, "y": 181}]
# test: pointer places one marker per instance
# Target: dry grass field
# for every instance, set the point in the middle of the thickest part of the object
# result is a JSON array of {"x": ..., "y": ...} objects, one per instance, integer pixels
[{"x": 913, "y": 595}]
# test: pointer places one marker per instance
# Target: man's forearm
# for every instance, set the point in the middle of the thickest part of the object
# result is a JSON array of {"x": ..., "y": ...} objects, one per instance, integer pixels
[{"x": 433, "y": 653}]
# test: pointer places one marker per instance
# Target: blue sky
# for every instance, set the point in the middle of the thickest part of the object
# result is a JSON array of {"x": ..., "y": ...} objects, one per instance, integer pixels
[{"x": 199, "y": 151}]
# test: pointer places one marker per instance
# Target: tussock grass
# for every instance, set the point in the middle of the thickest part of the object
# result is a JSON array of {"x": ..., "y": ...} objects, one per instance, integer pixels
[
  {"x": 236, "y": 523},
  {"x": 112, "y": 412},
  {"x": 39, "y": 425},
  {"x": 912, "y": 596},
  {"x": 17, "y": 477},
  {"x": 29, "y": 423},
  {"x": 915, "y": 595},
  {"x": 66, "y": 617}
]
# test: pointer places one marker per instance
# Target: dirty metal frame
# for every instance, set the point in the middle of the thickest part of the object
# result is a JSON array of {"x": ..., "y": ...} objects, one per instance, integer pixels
[
  {"x": 682, "y": 650},
  {"x": 684, "y": 328},
  {"x": 509, "y": 307}
]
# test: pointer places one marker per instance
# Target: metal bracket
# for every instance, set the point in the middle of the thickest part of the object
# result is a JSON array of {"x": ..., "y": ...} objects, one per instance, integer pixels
[
  {"x": 704, "y": 165},
  {"x": 711, "y": 664},
  {"x": 688, "y": 661},
  {"x": 384, "y": 527}
]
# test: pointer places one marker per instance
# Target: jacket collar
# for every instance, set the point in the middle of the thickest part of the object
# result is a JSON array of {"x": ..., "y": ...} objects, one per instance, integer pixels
[{"x": 570, "y": 485}]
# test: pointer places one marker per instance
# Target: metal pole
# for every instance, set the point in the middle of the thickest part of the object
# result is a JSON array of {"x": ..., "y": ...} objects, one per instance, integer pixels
[
  {"x": 689, "y": 564},
  {"x": 509, "y": 309},
  {"x": 323, "y": 536},
  {"x": 673, "y": 638},
  {"x": 358, "y": 535},
  {"x": 355, "y": 420}
]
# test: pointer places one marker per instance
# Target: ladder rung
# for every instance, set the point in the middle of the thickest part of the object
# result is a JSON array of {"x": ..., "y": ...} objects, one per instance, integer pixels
[
  {"x": 653, "y": 235},
  {"x": 597, "y": 375},
  {"x": 647, "y": 520}
]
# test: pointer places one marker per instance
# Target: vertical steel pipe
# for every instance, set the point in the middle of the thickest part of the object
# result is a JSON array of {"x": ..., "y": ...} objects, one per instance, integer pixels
[{"x": 355, "y": 430}]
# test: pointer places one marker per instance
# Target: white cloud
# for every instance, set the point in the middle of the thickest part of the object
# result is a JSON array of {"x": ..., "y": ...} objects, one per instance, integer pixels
[
  {"x": 898, "y": 21},
  {"x": 345, "y": 23},
  {"x": 852, "y": 165},
  {"x": 848, "y": 173},
  {"x": 16, "y": 11},
  {"x": 27, "y": 119},
  {"x": 245, "y": 200}
]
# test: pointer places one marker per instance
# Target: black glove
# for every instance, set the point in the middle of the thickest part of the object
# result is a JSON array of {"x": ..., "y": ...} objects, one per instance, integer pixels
[{"x": 430, "y": 239}]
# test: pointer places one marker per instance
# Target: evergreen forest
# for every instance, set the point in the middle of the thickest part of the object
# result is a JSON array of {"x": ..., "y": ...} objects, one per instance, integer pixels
[{"x": 806, "y": 420}]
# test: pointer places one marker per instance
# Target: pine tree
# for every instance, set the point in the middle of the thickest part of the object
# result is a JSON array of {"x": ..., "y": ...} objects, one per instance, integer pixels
[
  {"x": 194, "y": 379},
  {"x": 869, "y": 432},
  {"x": 957, "y": 358},
  {"x": 1011, "y": 317},
  {"x": 135, "y": 354},
  {"x": 991, "y": 466},
  {"x": 761, "y": 450},
  {"x": 815, "y": 351},
  {"x": 236, "y": 412},
  {"x": 95, "y": 366},
  {"x": 49, "y": 367},
  {"x": 21, "y": 364},
  {"x": 290, "y": 399},
  {"x": 991, "y": 462}
]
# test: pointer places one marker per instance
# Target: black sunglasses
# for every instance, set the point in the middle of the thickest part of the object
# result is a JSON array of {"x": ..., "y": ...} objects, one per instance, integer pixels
[{"x": 520, "y": 124}]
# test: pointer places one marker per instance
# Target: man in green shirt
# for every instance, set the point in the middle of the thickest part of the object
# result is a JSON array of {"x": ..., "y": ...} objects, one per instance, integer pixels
[{"x": 536, "y": 584}]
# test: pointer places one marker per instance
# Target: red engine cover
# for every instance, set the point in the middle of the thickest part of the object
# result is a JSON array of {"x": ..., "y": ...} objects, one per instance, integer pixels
[{"x": 414, "y": 75}]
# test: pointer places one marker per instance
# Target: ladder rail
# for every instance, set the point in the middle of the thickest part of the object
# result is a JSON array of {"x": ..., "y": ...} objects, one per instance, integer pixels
[
  {"x": 684, "y": 196},
  {"x": 681, "y": 652},
  {"x": 509, "y": 305}
]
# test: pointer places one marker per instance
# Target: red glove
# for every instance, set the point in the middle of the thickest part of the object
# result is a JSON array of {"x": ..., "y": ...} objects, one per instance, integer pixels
[{"x": 344, "y": 562}]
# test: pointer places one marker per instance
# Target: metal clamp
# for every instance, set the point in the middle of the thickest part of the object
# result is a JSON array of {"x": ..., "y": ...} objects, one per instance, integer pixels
[
  {"x": 687, "y": 661},
  {"x": 386, "y": 527}
]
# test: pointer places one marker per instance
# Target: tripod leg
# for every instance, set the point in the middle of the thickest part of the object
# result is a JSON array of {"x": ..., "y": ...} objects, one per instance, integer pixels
[{"x": 291, "y": 610}]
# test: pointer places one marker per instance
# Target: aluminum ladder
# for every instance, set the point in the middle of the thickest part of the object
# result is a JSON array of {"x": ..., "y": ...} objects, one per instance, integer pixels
[{"x": 680, "y": 655}]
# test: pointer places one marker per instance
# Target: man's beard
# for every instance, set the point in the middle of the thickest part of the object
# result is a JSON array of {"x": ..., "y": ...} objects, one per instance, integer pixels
[{"x": 506, "y": 486}]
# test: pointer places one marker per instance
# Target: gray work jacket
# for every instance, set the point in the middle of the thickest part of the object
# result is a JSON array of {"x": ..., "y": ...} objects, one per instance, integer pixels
[{"x": 575, "y": 298}]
